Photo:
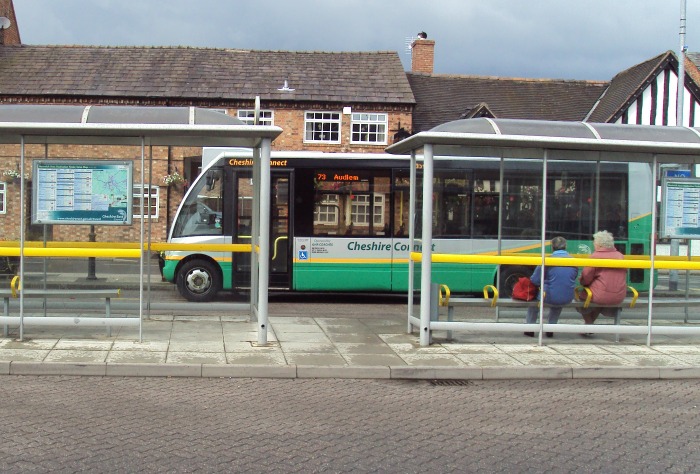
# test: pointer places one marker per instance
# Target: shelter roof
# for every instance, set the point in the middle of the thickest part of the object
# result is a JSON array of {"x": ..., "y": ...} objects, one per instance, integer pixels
[
  {"x": 586, "y": 141},
  {"x": 185, "y": 126}
]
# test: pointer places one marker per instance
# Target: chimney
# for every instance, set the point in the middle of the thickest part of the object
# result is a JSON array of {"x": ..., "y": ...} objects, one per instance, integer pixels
[
  {"x": 9, "y": 34},
  {"x": 422, "y": 54}
]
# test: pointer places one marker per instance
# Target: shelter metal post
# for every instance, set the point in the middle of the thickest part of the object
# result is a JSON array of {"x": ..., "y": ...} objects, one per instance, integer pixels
[
  {"x": 542, "y": 239},
  {"x": 264, "y": 252},
  {"x": 411, "y": 237},
  {"x": 23, "y": 213},
  {"x": 254, "y": 237},
  {"x": 652, "y": 252},
  {"x": 426, "y": 245}
]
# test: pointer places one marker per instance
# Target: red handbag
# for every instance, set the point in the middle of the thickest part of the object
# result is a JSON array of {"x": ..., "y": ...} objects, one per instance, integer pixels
[{"x": 524, "y": 290}]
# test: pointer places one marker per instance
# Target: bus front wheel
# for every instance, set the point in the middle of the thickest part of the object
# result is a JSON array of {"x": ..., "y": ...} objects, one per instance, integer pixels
[
  {"x": 510, "y": 276},
  {"x": 198, "y": 280}
]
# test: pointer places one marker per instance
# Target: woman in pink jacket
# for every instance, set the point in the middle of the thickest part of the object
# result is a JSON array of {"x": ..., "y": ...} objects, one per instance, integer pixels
[{"x": 608, "y": 285}]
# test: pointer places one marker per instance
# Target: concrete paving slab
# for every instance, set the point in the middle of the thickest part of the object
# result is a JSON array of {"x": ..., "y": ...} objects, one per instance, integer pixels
[
  {"x": 434, "y": 360},
  {"x": 204, "y": 346},
  {"x": 76, "y": 355},
  {"x": 650, "y": 360},
  {"x": 23, "y": 355},
  {"x": 541, "y": 360},
  {"x": 257, "y": 359},
  {"x": 137, "y": 357},
  {"x": 363, "y": 348},
  {"x": 322, "y": 360},
  {"x": 374, "y": 360},
  {"x": 488, "y": 360},
  {"x": 195, "y": 358},
  {"x": 84, "y": 345},
  {"x": 311, "y": 337},
  {"x": 459, "y": 348},
  {"x": 155, "y": 346},
  {"x": 308, "y": 347},
  {"x": 602, "y": 360}
]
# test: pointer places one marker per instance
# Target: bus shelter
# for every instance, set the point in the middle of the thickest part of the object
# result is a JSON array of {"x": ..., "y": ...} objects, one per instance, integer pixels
[
  {"x": 143, "y": 127},
  {"x": 543, "y": 141}
]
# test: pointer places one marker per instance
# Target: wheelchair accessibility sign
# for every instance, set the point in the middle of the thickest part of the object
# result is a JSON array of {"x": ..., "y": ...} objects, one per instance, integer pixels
[{"x": 303, "y": 253}]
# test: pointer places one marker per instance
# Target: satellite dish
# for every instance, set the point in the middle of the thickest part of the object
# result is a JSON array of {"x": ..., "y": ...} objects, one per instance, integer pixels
[{"x": 4, "y": 23}]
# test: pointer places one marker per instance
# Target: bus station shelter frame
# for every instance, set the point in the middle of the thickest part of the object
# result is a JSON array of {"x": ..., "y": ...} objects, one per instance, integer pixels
[
  {"x": 142, "y": 126},
  {"x": 542, "y": 141}
]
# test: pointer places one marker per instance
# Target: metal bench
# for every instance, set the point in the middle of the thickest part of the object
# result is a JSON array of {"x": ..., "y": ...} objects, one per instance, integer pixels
[
  {"x": 15, "y": 290},
  {"x": 491, "y": 300}
]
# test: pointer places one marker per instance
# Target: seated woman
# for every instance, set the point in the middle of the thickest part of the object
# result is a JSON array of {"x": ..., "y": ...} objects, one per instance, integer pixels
[{"x": 608, "y": 285}]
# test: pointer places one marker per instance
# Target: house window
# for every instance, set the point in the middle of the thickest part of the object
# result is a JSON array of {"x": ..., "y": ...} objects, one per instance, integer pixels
[
  {"x": 3, "y": 198},
  {"x": 150, "y": 192},
  {"x": 267, "y": 117},
  {"x": 361, "y": 209},
  {"x": 369, "y": 128},
  {"x": 322, "y": 127},
  {"x": 326, "y": 212}
]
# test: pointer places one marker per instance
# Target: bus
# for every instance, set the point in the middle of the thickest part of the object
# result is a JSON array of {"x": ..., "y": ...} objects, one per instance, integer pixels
[{"x": 339, "y": 221}]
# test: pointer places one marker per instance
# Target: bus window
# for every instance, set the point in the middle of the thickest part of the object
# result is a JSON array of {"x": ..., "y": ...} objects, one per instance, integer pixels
[
  {"x": 352, "y": 204},
  {"x": 451, "y": 204},
  {"x": 202, "y": 210}
]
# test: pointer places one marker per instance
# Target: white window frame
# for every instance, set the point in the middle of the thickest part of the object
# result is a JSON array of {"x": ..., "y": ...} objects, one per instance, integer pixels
[
  {"x": 3, "y": 198},
  {"x": 267, "y": 116},
  {"x": 138, "y": 193},
  {"x": 330, "y": 204},
  {"x": 365, "y": 124},
  {"x": 372, "y": 201},
  {"x": 322, "y": 122}
]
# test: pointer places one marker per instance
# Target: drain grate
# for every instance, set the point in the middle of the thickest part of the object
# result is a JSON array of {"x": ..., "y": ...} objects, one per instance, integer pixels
[{"x": 449, "y": 383}]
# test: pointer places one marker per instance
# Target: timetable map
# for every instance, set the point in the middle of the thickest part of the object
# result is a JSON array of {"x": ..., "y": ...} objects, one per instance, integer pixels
[
  {"x": 82, "y": 193},
  {"x": 681, "y": 206}
]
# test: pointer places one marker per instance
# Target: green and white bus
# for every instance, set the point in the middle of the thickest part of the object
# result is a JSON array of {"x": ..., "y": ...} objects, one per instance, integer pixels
[{"x": 339, "y": 221}]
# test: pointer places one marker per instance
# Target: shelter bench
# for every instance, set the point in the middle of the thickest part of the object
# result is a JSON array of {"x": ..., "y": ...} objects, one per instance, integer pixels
[
  {"x": 14, "y": 292},
  {"x": 491, "y": 300}
]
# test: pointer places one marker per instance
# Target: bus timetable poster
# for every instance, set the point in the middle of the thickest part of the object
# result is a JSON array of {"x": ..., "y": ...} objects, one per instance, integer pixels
[
  {"x": 680, "y": 208},
  {"x": 82, "y": 192}
]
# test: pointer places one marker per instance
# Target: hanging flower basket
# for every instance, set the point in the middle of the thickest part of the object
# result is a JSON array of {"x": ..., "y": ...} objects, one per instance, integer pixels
[
  {"x": 174, "y": 179},
  {"x": 11, "y": 176}
]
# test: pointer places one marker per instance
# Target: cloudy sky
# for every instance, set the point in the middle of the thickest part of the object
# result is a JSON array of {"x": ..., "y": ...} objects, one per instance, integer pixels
[{"x": 583, "y": 39}]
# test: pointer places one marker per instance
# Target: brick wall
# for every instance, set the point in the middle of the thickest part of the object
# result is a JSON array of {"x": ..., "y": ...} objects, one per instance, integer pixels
[{"x": 423, "y": 56}]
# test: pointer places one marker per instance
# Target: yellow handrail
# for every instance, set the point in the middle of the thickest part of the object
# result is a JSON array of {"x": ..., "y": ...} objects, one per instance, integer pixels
[{"x": 494, "y": 290}]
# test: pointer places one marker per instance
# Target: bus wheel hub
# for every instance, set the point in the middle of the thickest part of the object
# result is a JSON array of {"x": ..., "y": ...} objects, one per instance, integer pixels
[{"x": 198, "y": 280}]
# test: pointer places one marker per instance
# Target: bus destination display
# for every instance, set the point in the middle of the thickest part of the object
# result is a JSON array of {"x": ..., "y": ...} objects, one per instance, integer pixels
[{"x": 82, "y": 192}]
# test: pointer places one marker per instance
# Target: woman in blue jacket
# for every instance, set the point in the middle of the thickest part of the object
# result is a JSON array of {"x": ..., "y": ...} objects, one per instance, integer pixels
[{"x": 559, "y": 284}]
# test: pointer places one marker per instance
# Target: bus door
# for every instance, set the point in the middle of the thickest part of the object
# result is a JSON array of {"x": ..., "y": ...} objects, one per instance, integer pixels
[{"x": 280, "y": 267}]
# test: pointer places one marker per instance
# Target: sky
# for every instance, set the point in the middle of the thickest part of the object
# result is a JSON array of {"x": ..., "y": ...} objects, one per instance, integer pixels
[{"x": 557, "y": 39}]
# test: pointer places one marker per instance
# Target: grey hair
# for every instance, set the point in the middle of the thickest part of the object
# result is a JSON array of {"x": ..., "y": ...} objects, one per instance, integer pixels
[
  {"x": 558, "y": 243},
  {"x": 604, "y": 239}
]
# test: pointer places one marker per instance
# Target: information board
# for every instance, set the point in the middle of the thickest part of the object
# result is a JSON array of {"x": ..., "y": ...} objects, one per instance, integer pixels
[
  {"x": 82, "y": 192},
  {"x": 680, "y": 208}
]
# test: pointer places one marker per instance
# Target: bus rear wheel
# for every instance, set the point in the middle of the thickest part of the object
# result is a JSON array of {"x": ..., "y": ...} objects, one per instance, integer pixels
[
  {"x": 198, "y": 280},
  {"x": 510, "y": 276}
]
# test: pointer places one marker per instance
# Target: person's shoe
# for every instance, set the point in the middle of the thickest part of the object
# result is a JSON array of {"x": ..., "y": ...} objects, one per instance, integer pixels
[
  {"x": 549, "y": 334},
  {"x": 530, "y": 334},
  {"x": 586, "y": 334}
]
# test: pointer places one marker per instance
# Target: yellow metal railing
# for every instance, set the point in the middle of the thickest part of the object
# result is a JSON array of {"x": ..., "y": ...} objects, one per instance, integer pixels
[{"x": 637, "y": 261}]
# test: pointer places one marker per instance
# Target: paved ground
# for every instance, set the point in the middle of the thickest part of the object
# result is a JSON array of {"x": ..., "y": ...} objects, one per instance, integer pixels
[
  {"x": 132, "y": 424},
  {"x": 338, "y": 340}
]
